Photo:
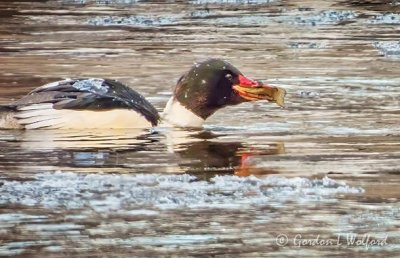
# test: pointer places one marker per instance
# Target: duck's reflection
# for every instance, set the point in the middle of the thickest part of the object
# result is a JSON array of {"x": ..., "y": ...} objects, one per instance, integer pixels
[
  {"x": 200, "y": 153},
  {"x": 208, "y": 158}
]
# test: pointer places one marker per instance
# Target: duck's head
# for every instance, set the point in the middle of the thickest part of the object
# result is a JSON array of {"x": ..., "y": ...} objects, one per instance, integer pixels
[{"x": 211, "y": 85}]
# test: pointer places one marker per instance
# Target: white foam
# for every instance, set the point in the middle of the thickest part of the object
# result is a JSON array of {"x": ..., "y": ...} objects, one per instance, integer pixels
[{"x": 109, "y": 193}]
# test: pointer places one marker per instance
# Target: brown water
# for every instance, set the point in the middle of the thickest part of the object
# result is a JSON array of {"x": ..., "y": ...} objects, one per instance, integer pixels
[{"x": 325, "y": 168}]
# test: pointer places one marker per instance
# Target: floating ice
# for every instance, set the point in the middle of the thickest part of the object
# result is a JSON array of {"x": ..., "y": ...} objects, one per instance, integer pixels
[
  {"x": 16, "y": 248},
  {"x": 307, "y": 94},
  {"x": 387, "y": 18},
  {"x": 135, "y": 20},
  {"x": 389, "y": 49},
  {"x": 201, "y": 13},
  {"x": 306, "y": 45},
  {"x": 180, "y": 240},
  {"x": 324, "y": 18},
  {"x": 111, "y": 192},
  {"x": 246, "y": 20}
]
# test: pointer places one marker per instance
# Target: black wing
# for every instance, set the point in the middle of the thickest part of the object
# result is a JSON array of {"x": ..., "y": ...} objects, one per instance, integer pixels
[{"x": 90, "y": 94}]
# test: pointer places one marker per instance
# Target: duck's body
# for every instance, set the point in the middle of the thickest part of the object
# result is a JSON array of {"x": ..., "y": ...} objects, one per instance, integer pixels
[
  {"x": 80, "y": 103},
  {"x": 104, "y": 103}
]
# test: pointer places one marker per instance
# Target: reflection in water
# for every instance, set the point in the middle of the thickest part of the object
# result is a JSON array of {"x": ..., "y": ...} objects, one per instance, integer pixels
[
  {"x": 208, "y": 158},
  {"x": 198, "y": 153},
  {"x": 81, "y": 140}
]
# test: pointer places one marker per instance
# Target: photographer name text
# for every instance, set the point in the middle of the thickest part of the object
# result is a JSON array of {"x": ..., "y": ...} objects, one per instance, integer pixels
[{"x": 354, "y": 240}]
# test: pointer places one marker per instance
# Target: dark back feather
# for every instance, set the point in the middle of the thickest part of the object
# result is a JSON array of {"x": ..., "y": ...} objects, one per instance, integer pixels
[{"x": 90, "y": 94}]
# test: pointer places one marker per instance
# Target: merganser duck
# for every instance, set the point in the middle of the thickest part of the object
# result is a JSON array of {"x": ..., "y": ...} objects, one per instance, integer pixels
[{"x": 104, "y": 103}]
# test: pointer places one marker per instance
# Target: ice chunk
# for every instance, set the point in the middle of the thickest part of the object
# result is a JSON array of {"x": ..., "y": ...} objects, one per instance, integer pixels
[{"x": 114, "y": 192}]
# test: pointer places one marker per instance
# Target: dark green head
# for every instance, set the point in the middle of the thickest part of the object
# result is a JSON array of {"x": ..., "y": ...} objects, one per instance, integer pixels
[{"x": 208, "y": 86}]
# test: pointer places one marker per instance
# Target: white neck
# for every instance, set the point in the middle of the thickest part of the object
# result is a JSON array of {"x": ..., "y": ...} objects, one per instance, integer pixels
[{"x": 176, "y": 114}]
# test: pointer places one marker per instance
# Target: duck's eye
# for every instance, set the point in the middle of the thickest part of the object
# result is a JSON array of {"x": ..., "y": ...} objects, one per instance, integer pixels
[{"x": 229, "y": 76}]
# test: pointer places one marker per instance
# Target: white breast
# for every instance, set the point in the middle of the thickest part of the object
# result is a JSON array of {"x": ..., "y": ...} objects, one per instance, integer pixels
[{"x": 177, "y": 115}]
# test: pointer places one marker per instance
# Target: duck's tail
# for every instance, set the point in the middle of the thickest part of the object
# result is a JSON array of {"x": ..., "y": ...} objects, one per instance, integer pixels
[{"x": 7, "y": 119}]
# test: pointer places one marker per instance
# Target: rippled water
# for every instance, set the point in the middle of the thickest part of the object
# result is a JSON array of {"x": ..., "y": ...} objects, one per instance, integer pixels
[{"x": 258, "y": 180}]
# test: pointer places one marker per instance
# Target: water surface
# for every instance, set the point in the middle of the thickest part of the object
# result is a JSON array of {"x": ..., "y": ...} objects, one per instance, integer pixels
[{"x": 326, "y": 167}]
